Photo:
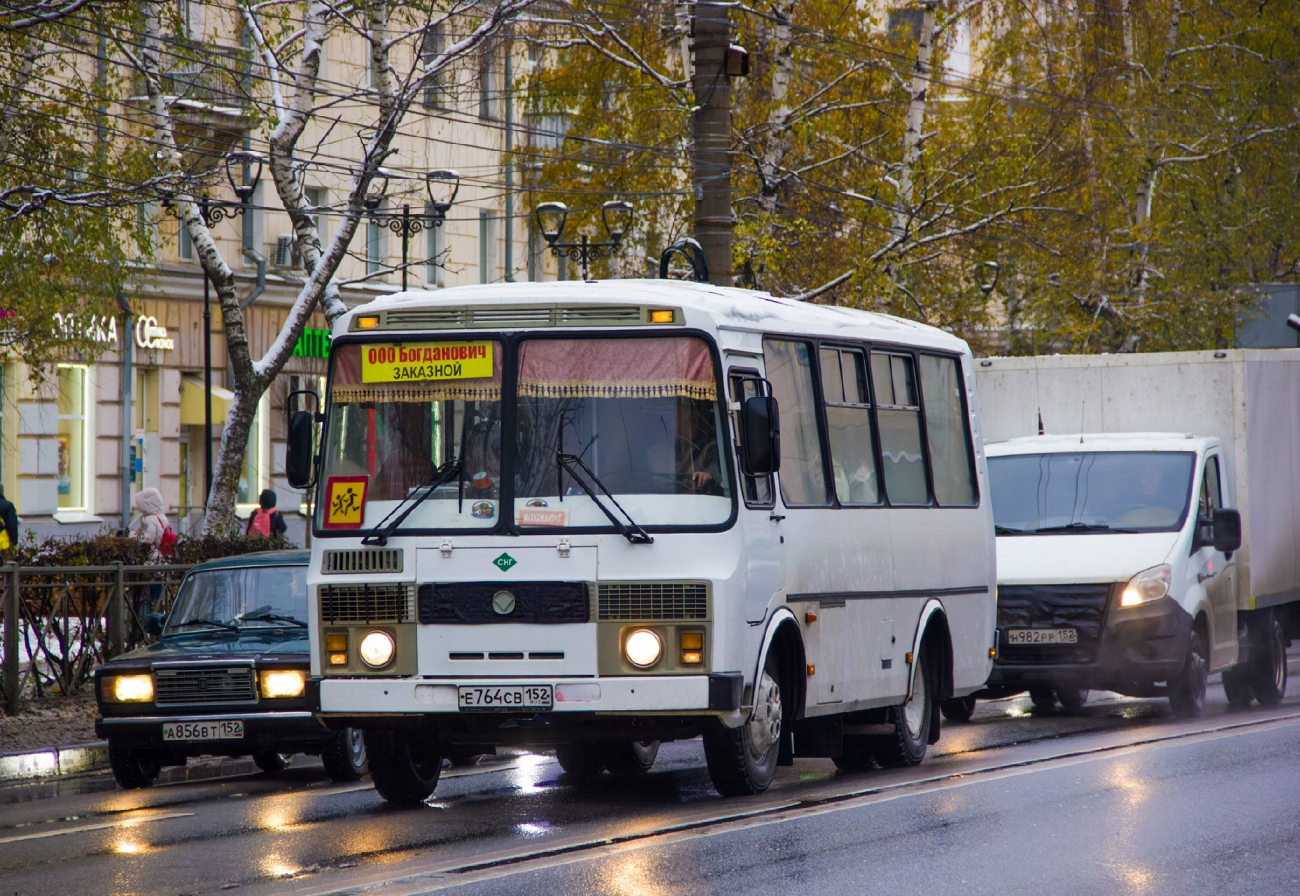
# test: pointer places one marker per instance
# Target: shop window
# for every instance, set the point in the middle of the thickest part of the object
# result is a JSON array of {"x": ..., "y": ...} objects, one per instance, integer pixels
[
  {"x": 256, "y": 472},
  {"x": 73, "y": 438}
]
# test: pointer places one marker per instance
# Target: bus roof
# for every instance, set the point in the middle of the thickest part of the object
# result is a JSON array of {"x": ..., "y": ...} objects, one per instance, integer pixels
[{"x": 703, "y": 305}]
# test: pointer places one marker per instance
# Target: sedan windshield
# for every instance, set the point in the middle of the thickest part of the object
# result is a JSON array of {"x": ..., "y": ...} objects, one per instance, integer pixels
[
  {"x": 1090, "y": 492},
  {"x": 242, "y": 597}
]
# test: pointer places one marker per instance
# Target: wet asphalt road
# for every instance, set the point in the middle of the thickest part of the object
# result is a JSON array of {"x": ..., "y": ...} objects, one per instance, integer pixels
[{"x": 1118, "y": 799}]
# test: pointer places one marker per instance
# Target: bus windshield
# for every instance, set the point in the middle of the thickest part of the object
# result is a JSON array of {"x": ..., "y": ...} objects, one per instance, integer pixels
[{"x": 637, "y": 418}]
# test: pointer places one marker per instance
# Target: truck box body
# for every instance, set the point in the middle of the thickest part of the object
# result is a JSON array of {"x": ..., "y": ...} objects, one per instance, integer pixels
[{"x": 1248, "y": 398}]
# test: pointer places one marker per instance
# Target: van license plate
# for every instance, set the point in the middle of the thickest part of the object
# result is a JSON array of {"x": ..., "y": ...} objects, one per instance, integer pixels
[
  {"x": 205, "y": 729},
  {"x": 1043, "y": 636},
  {"x": 507, "y": 696}
]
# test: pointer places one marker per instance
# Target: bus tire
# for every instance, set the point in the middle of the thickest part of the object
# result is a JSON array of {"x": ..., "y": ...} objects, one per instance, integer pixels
[
  {"x": 907, "y": 745},
  {"x": 1268, "y": 671},
  {"x": 630, "y": 758},
  {"x": 958, "y": 709},
  {"x": 133, "y": 768},
  {"x": 582, "y": 761},
  {"x": 1237, "y": 686},
  {"x": 1187, "y": 690},
  {"x": 742, "y": 761},
  {"x": 271, "y": 762},
  {"x": 344, "y": 757},
  {"x": 405, "y": 770}
]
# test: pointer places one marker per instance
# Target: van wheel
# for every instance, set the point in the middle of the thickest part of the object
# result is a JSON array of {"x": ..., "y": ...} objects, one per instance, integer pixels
[
  {"x": 344, "y": 757},
  {"x": 742, "y": 761},
  {"x": 583, "y": 761},
  {"x": 1072, "y": 699},
  {"x": 1187, "y": 691},
  {"x": 1268, "y": 672},
  {"x": 271, "y": 762},
  {"x": 958, "y": 709},
  {"x": 133, "y": 768},
  {"x": 906, "y": 746},
  {"x": 1043, "y": 698},
  {"x": 630, "y": 758},
  {"x": 405, "y": 770},
  {"x": 1237, "y": 687}
]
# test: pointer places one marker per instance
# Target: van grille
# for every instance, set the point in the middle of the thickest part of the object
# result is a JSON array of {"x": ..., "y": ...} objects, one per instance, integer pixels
[
  {"x": 653, "y": 600},
  {"x": 1080, "y": 607},
  {"x": 373, "y": 560},
  {"x": 209, "y": 687},
  {"x": 367, "y": 603}
]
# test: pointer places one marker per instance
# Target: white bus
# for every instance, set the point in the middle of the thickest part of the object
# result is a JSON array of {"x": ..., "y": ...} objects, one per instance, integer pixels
[{"x": 599, "y": 516}]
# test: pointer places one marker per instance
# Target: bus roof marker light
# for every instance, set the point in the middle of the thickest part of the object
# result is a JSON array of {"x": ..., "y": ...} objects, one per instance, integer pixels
[
  {"x": 367, "y": 323},
  {"x": 661, "y": 315}
]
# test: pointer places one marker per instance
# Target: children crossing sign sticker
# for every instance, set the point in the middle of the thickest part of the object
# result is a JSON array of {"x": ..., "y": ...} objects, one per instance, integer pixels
[{"x": 345, "y": 502}]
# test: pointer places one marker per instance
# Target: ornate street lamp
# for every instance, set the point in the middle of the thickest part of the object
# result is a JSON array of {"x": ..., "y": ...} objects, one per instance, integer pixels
[
  {"x": 441, "y": 186},
  {"x": 615, "y": 215}
]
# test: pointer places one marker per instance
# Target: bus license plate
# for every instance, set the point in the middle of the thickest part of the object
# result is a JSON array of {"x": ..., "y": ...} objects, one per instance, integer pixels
[
  {"x": 1043, "y": 636},
  {"x": 206, "y": 729},
  {"x": 507, "y": 696}
]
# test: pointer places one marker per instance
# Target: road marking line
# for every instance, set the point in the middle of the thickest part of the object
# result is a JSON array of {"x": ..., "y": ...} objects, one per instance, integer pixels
[{"x": 121, "y": 823}]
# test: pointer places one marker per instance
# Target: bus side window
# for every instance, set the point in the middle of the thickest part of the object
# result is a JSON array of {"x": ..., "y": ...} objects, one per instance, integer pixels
[
  {"x": 803, "y": 476},
  {"x": 898, "y": 414},
  {"x": 848, "y": 424},
  {"x": 951, "y": 462},
  {"x": 756, "y": 491}
]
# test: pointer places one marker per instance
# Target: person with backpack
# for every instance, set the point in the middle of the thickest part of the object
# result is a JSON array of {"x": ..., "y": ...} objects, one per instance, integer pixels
[
  {"x": 8, "y": 523},
  {"x": 154, "y": 527},
  {"x": 266, "y": 521}
]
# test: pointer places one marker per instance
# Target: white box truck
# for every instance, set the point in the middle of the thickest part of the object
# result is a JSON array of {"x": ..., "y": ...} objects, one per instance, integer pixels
[{"x": 1121, "y": 562}]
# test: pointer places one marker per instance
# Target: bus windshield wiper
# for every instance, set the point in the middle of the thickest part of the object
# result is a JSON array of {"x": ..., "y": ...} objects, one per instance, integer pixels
[
  {"x": 385, "y": 528},
  {"x": 1084, "y": 527},
  {"x": 631, "y": 530},
  {"x": 212, "y": 622}
]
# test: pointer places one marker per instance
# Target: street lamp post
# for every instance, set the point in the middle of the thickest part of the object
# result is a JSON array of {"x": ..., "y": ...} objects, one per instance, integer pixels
[
  {"x": 441, "y": 186},
  {"x": 616, "y": 215}
]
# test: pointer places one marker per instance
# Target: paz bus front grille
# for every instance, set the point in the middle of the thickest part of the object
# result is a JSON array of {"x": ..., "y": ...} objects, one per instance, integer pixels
[
  {"x": 652, "y": 600},
  {"x": 367, "y": 603}
]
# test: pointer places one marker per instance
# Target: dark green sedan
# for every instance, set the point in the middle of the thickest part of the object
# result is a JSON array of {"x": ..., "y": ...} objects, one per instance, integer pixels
[{"x": 227, "y": 677}]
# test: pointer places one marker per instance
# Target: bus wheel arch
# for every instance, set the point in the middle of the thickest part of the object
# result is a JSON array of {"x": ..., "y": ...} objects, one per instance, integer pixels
[{"x": 933, "y": 643}]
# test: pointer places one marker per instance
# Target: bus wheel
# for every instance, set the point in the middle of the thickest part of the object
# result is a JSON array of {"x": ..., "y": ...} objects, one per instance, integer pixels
[
  {"x": 958, "y": 709},
  {"x": 629, "y": 758},
  {"x": 344, "y": 757},
  {"x": 583, "y": 761},
  {"x": 742, "y": 761},
  {"x": 906, "y": 746},
  {"x": 405, "y": 770},
  {"x": 1187, "y": 691},
  {"x": 1237, "y": 687},
  {"x": 133, "y": 768},
  {"x": 1268, "y": 678},
  {"x": 1072, "y": 699}
]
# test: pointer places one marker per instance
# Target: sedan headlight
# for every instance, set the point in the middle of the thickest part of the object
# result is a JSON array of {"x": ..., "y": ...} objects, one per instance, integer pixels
[
  {"x": 1147, "y": 586},
  {"x": 283, "y": 682},
  {"x": 128, "y": 688},
  {"x": 377, "y": 649}
]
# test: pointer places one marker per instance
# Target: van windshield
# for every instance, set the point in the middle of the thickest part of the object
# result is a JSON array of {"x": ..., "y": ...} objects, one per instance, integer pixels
[{"x": 1091, "y": 491}]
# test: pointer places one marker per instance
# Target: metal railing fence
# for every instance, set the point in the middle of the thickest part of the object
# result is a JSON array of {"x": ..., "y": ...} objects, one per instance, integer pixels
[{"x": 60, "y": 622}]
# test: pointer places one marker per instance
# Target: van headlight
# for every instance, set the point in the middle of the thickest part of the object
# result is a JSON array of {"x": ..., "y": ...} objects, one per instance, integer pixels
[
  {"x": 1147, "y": 586},
  {"x": 377, "y": 649},
  {"x": 643, "y": 648}
]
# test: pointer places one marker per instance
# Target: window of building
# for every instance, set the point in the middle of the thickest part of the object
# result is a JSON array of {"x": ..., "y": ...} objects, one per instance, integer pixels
[
  {"x": 318, "y": 198},
  {"x": 848, "y": 425},
  {"x": 256, "y": 472},
  {"x": 433, "y": 44},
  {"x": 489, "y": 90},
  {"x": 73, "y": 438},
  {"x": 486, "y": 246},
  {"x": 184, "y": 244},
  {"x": 435, "y": 248},
  {"x": 803, "y": 475},
  {"x": 951, "y": 462},
  {"x": 899, "y": 418},
  {"x": 375, "y": 254}
]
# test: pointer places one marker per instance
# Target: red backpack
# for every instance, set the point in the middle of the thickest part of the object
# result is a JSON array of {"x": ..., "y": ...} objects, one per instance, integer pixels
[
  {"x": 260, "y": 523},
  {"x": 167, "y": 545}
]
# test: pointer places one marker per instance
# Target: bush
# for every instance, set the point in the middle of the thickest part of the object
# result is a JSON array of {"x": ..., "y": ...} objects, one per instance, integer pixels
[{"x": 107, "y": 547}]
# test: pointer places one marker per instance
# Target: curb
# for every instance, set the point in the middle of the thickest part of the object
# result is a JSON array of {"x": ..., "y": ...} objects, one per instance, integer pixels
[{"x": 54, "y": 762}]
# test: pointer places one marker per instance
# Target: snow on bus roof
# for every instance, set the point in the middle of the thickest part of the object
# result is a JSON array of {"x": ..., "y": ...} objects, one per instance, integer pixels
[{"x": 728, "y": 307}]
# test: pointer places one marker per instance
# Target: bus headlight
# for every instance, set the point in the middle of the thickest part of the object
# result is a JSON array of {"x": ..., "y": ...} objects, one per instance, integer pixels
[
  {"x": 283, "y": 682},
  {"x": 643, "y": 648},
  {"x": 129, "y": 688},
  {"x": 377, "y": 649},
  {"x": 1148, "y": 585}
]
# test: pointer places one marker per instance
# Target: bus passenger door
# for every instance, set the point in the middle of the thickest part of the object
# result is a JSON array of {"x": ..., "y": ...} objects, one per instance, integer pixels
[{"x": 758, "y": 521}]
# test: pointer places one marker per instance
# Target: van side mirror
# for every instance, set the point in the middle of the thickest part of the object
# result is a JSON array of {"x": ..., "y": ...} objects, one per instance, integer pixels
[
  {"x": 1227, "y": 530},
  {"x": 761, "y": 427},
  {"x": 299, "y": 462}
]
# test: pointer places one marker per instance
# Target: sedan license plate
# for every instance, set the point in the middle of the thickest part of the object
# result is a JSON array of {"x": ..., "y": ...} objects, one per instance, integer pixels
[
  {"x": 204, "y": 729},
  {"x": 1043, "y": 636},
  {"x": 506, "y": 696}
]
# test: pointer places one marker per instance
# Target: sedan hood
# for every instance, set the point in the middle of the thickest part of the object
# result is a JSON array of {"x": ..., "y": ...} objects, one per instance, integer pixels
[
  {"x": 222, "y": 646},
  {"x": 1080, "y": 558}
]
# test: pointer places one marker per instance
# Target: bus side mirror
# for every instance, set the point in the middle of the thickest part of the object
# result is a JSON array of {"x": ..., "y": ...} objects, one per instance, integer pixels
[
  {"x": 762, "y": 430},
  {"x": 1227, "y": 530},
  {"x": 299, "y": 460}
]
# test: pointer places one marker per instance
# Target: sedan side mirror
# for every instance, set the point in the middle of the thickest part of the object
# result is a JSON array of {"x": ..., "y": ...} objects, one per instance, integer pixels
[
  {"x": 153, "y": 624},
  {"x": 761, "y": 426},
  {"x": 1227, "y": 530}
]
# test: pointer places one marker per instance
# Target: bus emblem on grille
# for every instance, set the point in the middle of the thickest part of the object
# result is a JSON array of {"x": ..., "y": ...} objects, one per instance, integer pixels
[
  {"x": 503, "y": 602},
  {"x": 504, "y": 562}
]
